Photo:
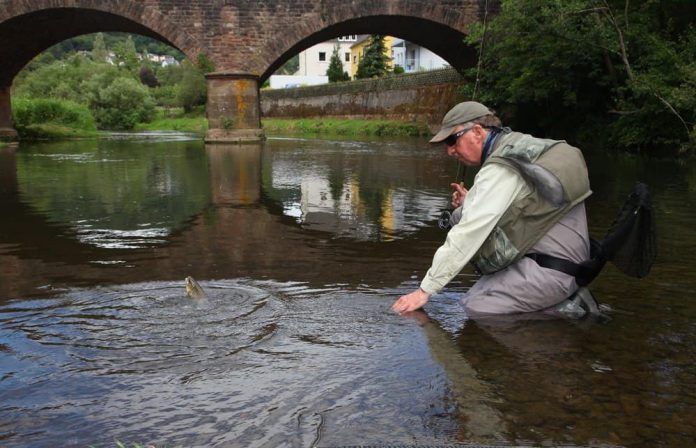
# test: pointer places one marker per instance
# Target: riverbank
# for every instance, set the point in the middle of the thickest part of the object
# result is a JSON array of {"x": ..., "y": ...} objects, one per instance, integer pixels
[
  {"x": 51, "y": 131},
  {"x": 52, "y": 119},
  {"x": 271, "y": 126},
  {"x": 303, "y": 126},
  {"x": 343, "y": 127}
]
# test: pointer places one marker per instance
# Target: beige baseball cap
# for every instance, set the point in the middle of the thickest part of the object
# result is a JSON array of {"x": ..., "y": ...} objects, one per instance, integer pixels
[{"x": 461, "y": 113}]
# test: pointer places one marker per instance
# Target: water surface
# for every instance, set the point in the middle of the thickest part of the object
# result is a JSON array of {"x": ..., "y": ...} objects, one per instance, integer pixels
[{"x": 302, "y": 246}]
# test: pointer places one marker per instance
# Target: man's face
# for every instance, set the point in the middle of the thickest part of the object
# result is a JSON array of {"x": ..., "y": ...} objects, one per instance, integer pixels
[{"x": 468, "y": 147}]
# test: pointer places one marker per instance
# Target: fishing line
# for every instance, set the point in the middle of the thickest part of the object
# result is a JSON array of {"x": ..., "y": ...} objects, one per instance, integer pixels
[
  {"x": 480, "y": 56},
  {"x": 476, "y": 83}
]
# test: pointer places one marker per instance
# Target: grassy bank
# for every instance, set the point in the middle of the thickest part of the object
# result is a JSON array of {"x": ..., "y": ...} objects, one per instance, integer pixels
[
  {"x": 48, "y": 118},
  {"x": 197, "y": 125},
  {"x": 304, "y": 126},
  {"x": 176, "y": 120},
  {"x": 343, "y": 126},
  {"x": 57, "y": 119},
  {"x": 52, "y": 131}
]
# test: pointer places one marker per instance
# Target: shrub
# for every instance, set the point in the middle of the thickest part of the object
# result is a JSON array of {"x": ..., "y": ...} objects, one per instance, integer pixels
[
  {"x": 122, "y": 104},
  {"x": 192, "y": 88},
  {"x": 28, "y": 112}
]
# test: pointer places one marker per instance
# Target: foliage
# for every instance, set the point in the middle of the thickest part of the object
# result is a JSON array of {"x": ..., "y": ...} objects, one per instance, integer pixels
[
  {"x": 99, "y": 52},
  {"x": 374, "y": 62},
  {"x": 205, "y": 65},
  {"x": 335, "y": 71},
  {"x": 86, "y": 42},
  {"x": 85, "y": 81},
  {"x": 398, "y": 70},
  {"x": 290, "y": 67},
  {"x": 169, "y": 75},
  {"x": 126, "y": 55},
  {"x": 147, "y": 76},
  {"x": 590, "y": 69},
  {"x": 166, "y": 96},
  {"x": 122, "y": 104},
  {"x": 37, "y": 117},
  {"x": 192, "y": 88},
  {"x": 76, "y": 79}
]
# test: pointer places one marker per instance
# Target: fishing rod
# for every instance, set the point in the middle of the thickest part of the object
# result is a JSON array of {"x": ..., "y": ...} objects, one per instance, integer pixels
[{"x": 444, "y": 222}]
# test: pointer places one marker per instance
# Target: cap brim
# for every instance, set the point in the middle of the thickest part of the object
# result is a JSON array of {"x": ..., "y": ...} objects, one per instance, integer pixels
[{"x": 442, "y": 135}]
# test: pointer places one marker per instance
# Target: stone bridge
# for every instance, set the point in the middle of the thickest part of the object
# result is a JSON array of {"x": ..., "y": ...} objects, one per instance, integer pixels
[{"x": 246, "y": 40}]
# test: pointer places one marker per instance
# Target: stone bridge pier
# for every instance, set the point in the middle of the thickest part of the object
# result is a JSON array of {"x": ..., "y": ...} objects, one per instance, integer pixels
[
  {"x": 234, "y": 109},
  {"x": 7, "y": 131},
  {"x": 244, "y": 40}
]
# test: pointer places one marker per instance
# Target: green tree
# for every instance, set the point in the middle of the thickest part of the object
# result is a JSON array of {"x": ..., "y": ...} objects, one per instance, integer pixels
[
  {"x": 192, "y": 88},
  {"x": 374, "y": 62},
  {"x": 122, "y": 104},
  {"x": 99, "y": 52},
  {"x": 610, "y": 69},
  {"x": 335, "y": 71},
  {"x": 147, "y": 76},
  {"x": 290, "y": 67},
  {"x": 126, "y": 55}
]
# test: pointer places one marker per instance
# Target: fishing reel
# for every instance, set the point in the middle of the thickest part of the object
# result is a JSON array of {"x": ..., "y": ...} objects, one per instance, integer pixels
[{"x": 445, "y": 220}]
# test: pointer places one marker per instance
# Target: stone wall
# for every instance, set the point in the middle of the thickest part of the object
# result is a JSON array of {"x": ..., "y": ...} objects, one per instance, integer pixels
[{"x": 424, "y": 97}]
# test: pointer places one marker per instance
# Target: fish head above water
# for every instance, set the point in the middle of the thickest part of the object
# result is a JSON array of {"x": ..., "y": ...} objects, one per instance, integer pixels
[{"x": 193, "y": 289}]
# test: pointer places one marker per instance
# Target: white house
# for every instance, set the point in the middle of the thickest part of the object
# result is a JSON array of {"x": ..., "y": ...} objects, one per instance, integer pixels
[
  {"x": 314, "y": 61},
  {"x": 414, "y": 58}
]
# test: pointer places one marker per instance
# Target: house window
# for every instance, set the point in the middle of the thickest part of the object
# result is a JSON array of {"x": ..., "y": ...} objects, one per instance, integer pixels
[
  {"x": 347, "y": 58},
  {"x": 322, "y": 56}
]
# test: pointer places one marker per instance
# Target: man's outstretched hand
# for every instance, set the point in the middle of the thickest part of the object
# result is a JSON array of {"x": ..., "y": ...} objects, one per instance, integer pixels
[{"x": 411, "y": 301}]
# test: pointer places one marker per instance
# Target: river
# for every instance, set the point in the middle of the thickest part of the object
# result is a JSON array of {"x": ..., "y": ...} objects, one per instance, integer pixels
[{"x": 302, "y": 246}]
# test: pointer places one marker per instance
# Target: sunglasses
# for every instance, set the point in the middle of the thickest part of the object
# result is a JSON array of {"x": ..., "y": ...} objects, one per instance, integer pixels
[{"x": 451, "y": 140}]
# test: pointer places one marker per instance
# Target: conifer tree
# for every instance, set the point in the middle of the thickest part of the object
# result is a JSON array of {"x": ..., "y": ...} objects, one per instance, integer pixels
[
  {"x": 99, "y": 53},
  {"x": 127, "y": 55},
  {"x": 374, "y": 62},
  {"x": 335, "y": 71}
]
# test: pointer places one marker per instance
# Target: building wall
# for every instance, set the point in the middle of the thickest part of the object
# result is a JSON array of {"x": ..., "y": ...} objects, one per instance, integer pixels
[
  {"x": 315, "y": 60},
  {"x": 358, "y": 49},
  {"x": 414, "y": 58}
]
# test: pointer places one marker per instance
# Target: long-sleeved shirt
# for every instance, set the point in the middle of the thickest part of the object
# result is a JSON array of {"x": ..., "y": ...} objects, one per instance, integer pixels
[{"x": 495, "y": 188}]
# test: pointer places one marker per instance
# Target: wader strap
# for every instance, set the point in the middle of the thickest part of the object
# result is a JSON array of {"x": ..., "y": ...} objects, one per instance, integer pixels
[{"x": 584, "y": 273}]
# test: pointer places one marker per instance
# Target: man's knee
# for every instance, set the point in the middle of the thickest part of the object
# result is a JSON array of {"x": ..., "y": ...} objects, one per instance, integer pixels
[{"x": 481, "y": 305}]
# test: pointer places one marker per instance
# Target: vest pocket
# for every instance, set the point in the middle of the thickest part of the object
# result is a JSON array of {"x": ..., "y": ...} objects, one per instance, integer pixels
[{"x": 497, "y": 252}]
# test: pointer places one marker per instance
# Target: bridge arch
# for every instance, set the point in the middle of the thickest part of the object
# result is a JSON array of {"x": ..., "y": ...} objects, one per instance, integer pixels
[
  {"x": 245, "y": 40},
  {"x": 28, "y": 28},
  {"x": 27, "y": 31},
  {"x": 443, "y": 40}
]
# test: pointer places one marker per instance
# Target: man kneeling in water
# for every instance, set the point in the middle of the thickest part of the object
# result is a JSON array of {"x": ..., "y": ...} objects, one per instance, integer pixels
[{"x": 526, "y": 206}]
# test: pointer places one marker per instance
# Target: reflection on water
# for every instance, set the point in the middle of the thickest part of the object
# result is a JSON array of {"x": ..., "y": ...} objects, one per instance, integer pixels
[{"x": 302, "y": 245}]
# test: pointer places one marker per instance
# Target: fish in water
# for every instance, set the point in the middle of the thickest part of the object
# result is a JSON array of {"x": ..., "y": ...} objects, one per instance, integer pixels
[{"x": 194, "y": 290}]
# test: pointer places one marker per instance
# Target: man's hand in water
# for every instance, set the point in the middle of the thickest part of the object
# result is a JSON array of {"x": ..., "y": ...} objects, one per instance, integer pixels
[
  {"x": 458, "y": 194},
  {"x": 411, "y": 301}
]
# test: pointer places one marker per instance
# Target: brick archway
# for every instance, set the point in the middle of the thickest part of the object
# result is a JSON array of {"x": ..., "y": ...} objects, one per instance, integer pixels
[{"x": 245, "y": 39}]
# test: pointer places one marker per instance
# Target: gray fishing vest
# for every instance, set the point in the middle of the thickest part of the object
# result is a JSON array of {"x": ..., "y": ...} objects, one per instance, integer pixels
[{"x": 557, "y": 175}]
